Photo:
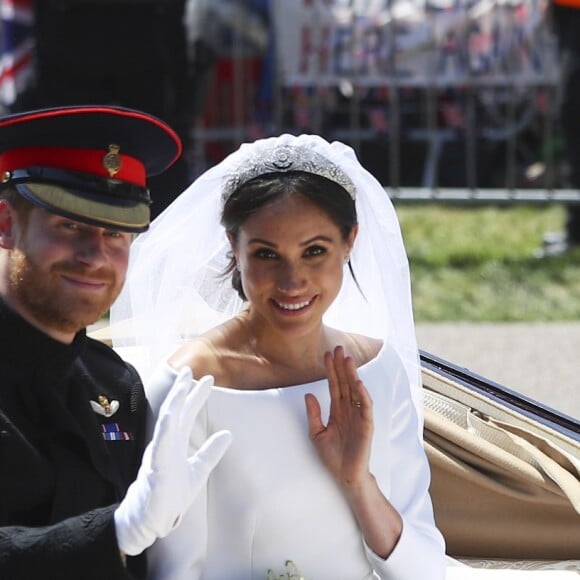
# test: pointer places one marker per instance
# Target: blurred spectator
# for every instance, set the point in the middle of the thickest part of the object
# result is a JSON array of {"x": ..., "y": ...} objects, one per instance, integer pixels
[
  {"x": 566, "y": 23},
  {"x": 131, "y": 53}
]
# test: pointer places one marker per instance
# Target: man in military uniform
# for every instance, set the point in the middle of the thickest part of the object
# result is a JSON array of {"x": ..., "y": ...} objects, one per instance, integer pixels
[{"x": 72, "y": 413}]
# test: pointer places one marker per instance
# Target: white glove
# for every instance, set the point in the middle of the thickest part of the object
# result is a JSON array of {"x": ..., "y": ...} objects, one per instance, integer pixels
[{"x": 168, "y": 479}]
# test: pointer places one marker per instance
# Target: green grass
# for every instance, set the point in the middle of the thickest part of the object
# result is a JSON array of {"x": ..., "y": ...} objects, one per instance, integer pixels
[{"x": 477, "y": 264}]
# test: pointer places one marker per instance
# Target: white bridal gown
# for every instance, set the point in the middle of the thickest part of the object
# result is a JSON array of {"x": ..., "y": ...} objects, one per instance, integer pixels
[{"x": 271, "y": 510}]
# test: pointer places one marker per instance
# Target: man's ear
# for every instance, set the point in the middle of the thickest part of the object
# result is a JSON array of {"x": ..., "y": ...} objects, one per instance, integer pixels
[{"x": 7, "y": 225}]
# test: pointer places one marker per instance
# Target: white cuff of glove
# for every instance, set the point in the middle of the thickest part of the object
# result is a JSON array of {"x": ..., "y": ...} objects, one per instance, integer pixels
[{"x": 169, "y": 478}]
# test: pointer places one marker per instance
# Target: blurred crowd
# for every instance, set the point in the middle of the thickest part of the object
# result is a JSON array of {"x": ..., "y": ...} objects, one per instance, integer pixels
[{"x": 213, "y": 69}]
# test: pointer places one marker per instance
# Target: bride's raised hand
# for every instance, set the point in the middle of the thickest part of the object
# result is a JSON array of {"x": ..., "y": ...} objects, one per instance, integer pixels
[{"x": 344, "y": 443}]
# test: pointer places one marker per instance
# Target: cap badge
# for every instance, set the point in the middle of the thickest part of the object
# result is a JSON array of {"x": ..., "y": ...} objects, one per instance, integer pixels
[
  {"x": 102, "y": 406},
  {"x": 112, "y": 160},
  {"x": 6, "y": 177}
]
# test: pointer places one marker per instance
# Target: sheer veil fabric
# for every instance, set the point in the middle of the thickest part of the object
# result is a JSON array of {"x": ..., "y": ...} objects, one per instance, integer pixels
[{"x": 175, "y": 288}]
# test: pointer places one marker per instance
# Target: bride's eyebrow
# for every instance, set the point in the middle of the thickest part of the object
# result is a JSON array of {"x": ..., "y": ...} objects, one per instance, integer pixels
[
  {"x": 307, "y": 242},
  {"x": 262, "y": 242},
  {"x": 316, "y": 239}
]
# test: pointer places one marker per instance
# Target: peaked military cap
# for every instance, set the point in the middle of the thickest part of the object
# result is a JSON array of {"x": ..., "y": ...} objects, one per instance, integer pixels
[{"x": 89, "y": 163}]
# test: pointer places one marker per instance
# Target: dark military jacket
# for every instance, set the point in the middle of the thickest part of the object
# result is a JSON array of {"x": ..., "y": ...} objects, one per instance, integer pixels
[{"x": 72, "y": 428}]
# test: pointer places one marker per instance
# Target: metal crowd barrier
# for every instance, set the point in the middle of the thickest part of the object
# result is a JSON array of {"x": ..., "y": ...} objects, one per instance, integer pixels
[
  {"x": 484, "y": 196},
  {"x": 476, "y": 141}
]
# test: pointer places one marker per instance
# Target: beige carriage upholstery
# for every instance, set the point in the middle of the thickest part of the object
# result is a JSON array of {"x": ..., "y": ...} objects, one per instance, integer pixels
[
  {"x": 513, "y": 571},
  {"x": 505, "y": 487},
  {"x": 521, "y": 566}
]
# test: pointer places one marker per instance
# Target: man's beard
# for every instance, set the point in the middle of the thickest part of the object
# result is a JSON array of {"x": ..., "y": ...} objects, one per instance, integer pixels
[{"x": 40, "y": 294}]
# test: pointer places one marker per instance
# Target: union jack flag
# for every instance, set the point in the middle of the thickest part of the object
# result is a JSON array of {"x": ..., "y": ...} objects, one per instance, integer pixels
[{"x": 16, "y": 48}]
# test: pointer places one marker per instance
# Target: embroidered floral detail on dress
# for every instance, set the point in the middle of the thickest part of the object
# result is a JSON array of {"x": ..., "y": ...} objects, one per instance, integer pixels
[{"x": 292, "y": 573}]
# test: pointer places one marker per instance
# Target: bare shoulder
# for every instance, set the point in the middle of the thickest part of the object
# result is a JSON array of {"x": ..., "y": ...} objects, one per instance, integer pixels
[
  {"x": 205, "y": 355},
  {"x": 196, "y": 354},
  {"x": 360, "y": 347}
]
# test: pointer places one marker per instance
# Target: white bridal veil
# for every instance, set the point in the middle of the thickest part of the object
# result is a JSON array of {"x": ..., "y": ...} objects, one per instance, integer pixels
[{"x": 174, "y": 288}]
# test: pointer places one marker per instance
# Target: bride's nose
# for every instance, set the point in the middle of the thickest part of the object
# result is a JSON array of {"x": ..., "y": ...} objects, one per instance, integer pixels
[{"x": 290, "y": 277}]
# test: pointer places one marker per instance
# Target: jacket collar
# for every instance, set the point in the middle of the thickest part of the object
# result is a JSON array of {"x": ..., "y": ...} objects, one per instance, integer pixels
[{"x": 34, "y": 352}]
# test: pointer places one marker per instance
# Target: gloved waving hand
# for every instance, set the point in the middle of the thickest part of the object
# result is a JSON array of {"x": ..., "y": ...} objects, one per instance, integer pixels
[{"x": 169, "y": 478}]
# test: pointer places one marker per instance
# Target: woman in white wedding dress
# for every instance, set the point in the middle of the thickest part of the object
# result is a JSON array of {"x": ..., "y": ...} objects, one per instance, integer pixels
[{"x": 309, "y": 336}]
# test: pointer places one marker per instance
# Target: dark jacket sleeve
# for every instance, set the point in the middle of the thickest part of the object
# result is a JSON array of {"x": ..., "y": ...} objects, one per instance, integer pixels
[{"x": 83, "y": 546}]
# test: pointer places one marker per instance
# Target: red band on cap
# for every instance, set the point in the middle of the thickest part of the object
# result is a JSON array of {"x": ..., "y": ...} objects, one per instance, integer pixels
[{"x": 82, "y": 160}]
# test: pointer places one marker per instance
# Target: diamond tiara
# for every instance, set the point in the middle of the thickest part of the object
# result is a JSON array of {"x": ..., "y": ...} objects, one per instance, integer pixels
[{"x": 288, "y": 158}]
